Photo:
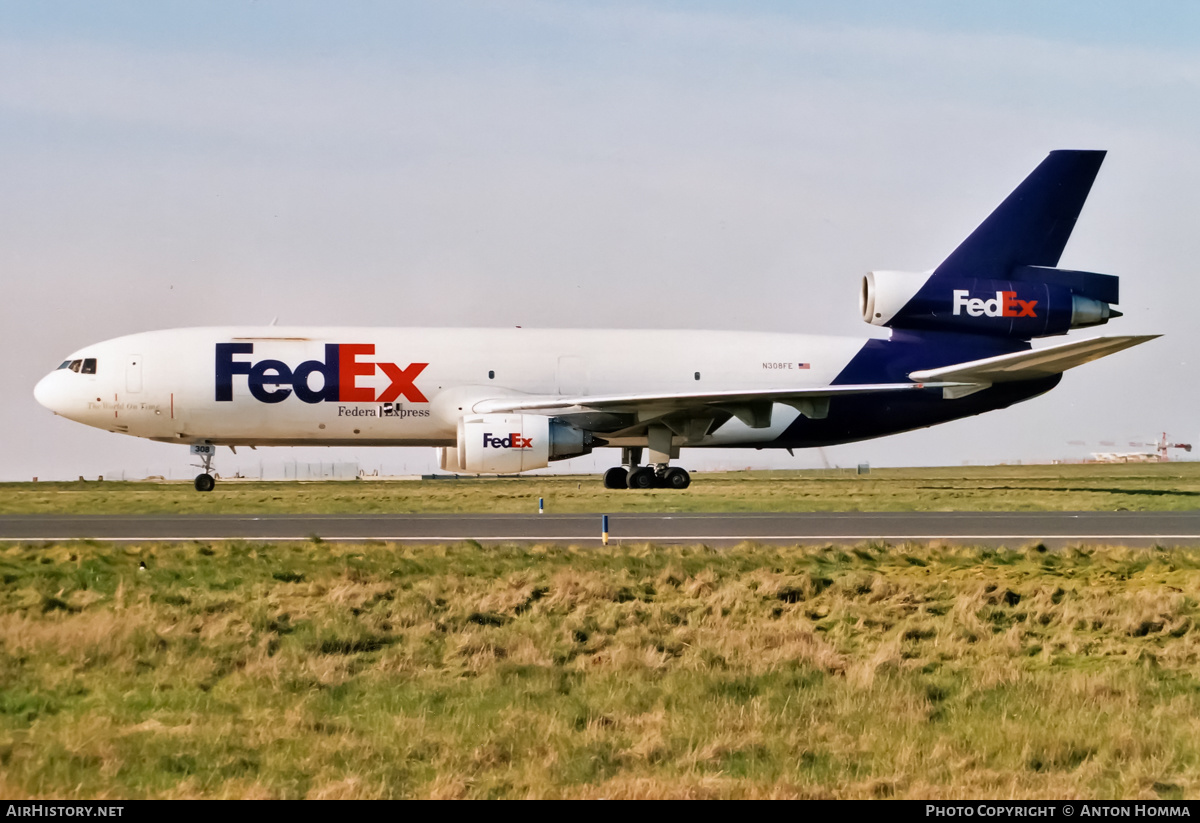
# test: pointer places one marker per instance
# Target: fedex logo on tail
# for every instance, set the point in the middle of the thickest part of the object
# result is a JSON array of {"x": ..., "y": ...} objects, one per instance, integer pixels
[
  {"x": 1005, "y": 304},
  {"x": 273, "y": 381},
  {"x": 513, "y": 441}
]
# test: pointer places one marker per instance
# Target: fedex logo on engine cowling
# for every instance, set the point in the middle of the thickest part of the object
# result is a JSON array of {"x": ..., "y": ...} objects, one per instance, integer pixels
[
  {"x": 273, "y": 381},
  {"x": 1005, "y": 304},
  {"x": 513, "y": 441}
]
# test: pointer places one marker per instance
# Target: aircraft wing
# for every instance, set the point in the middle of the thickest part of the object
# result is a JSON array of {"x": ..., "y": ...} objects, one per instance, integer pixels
[
  {"x": 955, "y": 381},
  {"x": 659, "y": 404},
  {"x": 1030, "y": 365}
]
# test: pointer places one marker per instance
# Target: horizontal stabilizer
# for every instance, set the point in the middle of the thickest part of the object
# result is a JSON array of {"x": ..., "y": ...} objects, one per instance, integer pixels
[{"x": 1033, "y": 364}]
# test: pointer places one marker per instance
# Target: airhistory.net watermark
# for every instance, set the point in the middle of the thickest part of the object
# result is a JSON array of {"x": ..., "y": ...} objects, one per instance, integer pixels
[{"x": 61, "y": 810}]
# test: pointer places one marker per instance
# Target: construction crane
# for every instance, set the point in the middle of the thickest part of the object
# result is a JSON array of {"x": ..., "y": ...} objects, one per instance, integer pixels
[
  {"x": 1162, "y": 445},
  {"x": 1160, "y": 454}
]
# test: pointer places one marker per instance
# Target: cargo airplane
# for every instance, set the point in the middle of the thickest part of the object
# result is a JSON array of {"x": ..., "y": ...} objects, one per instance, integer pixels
[{"x": 511, "y": 400}]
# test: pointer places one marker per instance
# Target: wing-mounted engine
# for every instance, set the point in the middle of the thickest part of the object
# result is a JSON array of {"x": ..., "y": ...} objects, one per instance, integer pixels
[
  {"x": 1002, "y": 280},
  {"x": 512, "y": 443},
  {"x": 1033, "y": 301}
]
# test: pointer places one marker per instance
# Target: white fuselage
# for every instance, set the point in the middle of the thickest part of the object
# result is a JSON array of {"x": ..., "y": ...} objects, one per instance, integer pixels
[{"x": 166, "y": 385}]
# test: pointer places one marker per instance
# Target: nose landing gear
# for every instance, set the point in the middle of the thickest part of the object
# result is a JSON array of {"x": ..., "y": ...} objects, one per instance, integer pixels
[{"x": 205, "y": 482}]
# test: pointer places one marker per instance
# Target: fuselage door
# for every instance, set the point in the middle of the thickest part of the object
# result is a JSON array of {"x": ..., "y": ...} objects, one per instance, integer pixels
[
  {"x": 133, "y": 373},
  {"x": 572, "y": 375}
]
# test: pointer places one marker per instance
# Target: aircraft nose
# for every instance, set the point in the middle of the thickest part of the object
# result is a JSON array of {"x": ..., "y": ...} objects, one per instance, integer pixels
[{"x": 49, "y": 392}]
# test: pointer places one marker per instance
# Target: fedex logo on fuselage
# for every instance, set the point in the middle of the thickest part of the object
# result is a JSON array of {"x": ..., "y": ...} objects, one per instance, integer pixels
[
  {"x": 1005, "y": 304},
  {"x": 273, "y": 381},
  {"x": 513, "y": 441}
]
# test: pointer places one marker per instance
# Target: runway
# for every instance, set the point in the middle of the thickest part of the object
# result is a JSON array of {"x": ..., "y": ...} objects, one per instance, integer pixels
[{"x": 1054, "y": 529}]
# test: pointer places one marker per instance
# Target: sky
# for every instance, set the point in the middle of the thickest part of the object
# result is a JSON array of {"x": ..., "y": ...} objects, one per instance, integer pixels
[{"x": 558, "y": 164}]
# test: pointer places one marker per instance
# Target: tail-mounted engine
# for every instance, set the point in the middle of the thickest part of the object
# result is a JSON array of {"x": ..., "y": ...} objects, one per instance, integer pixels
[
  {"x": 1034, "y": 301},
  {"x": 511, "y": 443},
  {"x": 1002, "y": 280}
]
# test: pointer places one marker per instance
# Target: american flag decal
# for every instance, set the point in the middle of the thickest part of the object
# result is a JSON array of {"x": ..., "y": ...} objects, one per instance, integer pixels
[{"x": 802, "y": 366}]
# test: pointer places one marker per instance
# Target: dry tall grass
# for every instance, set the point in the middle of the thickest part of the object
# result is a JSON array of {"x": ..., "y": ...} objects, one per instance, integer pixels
[{"x": 242, "y": 670}]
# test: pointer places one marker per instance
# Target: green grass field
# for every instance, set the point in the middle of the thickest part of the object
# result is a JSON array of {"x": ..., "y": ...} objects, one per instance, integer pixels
[
  {"x": 324, "y": 670},
  {"x": 1086, "y": 487}
]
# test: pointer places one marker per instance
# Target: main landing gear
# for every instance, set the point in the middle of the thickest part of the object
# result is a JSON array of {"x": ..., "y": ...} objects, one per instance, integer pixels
[{"x": 653, "y": 476}]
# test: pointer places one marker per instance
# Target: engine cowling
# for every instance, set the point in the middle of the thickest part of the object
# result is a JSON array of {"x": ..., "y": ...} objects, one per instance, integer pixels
[
  {"x": 512, "y": 443},
  {"x": 1034, "y": 303}
]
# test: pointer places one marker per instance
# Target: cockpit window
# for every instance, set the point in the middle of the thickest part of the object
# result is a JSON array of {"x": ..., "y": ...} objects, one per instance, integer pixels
[{"x": 84, "y": 366}]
